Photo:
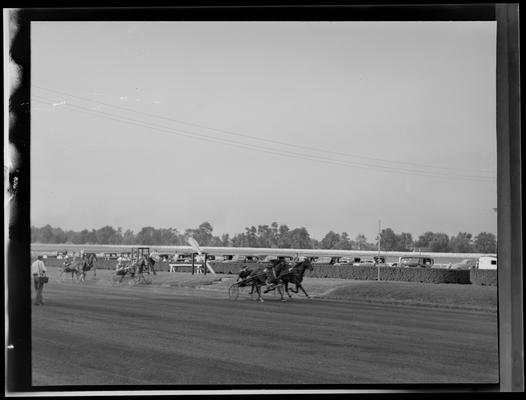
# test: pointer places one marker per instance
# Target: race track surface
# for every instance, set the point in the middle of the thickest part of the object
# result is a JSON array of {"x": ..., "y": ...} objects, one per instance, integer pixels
[{"x": 90, "y": 335}]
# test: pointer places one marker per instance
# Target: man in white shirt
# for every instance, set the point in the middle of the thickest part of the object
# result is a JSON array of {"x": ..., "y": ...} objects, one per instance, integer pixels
[{"x": 38, "y": 270}]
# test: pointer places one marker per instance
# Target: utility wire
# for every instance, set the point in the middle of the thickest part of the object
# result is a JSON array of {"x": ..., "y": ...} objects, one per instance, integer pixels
[
  {"x": 194, "y": 135},
  {"x": 420, "y": 165},
  {"x": 255, "y": 147}
]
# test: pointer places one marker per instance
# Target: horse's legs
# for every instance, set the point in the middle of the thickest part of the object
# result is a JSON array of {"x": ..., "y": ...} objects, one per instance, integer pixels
[
  {"x": 287, "y": 289},
  {"x": 258, "y": 290},
  {"x": 294, "y": 291},
  {"x": 299, "y": 285},
  {"x": 273, "y": 284},
  {"x": 280, "y": 290},
  {"x": 259, "y": 294}
]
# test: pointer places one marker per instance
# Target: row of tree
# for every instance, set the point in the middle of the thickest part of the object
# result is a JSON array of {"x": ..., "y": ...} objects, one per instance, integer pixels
[
  {"x": 270, "y": 236},
  {"x": 463, "y": 242}
]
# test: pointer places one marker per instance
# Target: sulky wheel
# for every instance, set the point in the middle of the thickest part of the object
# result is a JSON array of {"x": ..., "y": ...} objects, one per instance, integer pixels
[{"x": 233, "y": 292}]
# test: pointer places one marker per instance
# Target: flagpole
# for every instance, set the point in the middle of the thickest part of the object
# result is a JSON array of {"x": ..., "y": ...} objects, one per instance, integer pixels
[{"x": 379, "y": 238}]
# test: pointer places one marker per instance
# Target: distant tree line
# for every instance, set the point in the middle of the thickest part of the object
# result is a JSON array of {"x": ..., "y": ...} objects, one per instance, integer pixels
[
  {"x": 434, "y": 242},
  {"x": 270, "y": 236}
]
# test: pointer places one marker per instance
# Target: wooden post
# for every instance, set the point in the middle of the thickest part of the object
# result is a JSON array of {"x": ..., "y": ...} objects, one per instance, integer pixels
[
  {"x": 509, "y": 200},
  {"x": 193, "y": 263}
]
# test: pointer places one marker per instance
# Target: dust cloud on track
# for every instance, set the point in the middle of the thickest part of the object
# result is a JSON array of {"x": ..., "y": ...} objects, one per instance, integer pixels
[{"x": 102, "y": 335}]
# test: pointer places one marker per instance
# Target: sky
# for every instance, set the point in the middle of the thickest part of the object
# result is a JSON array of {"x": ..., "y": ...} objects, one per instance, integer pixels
[{"x": 323, "y": 125}]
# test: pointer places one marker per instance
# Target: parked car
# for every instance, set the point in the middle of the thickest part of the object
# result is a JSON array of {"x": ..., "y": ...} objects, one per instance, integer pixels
[
  {"x": 369, "y": 261},
  {"x": 273, "y": 258},
  {"x": 347, "y": 260},
  {"x": 240, "y": 258},
  {"x": 111, "y": 256},
  {"x": 379, "y": 259},
  {"x": 468, "y": 263},
  {"x": 183, "y": 258},
  {"x": 415, "y": 261},
  {"x": 363, "y": 262},
  {"x": 165, "y": 257},
  {"x": 326, "y": 260}
]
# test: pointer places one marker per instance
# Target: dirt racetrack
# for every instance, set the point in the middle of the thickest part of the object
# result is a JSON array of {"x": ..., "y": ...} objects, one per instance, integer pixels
[{"x": 187, "y": 332}]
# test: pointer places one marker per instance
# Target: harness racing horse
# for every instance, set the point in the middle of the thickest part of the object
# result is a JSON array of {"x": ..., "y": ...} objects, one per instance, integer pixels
[
  {"x": 146, "y": 265},
  {"x": 136, "y": 269},
  {"x": 293, "y": 275},
  {"x": 256, "y": 279},
  {"x": 265, "y": 277},
  {"x": 70, "y": 266},
  {"x": 128, "y": 269},
  {"x": 87, "y": 262}
]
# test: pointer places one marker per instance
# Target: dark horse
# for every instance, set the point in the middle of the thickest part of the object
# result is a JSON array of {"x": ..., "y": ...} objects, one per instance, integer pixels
[
  {"x": 145, "y": 265},
  {"x": 260, "y": 277},
  {"x": 293, "y": 275},
  {"x": 87, "y": 262}
]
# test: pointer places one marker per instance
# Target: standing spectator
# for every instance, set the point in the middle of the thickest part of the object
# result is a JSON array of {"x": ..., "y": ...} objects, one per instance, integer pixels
[
  {"x": 154, "y": 256},
  {"x": 38, "y": 270}
]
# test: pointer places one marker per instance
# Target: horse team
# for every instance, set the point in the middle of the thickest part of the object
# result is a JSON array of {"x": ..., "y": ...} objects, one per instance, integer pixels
[
  {"x": 79, "y": 268},
  {"x": 277, "y": 276},
  {"x": 135, "y": 269}
]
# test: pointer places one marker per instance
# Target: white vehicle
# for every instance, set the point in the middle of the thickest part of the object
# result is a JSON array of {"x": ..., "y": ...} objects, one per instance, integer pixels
[
  {"x": 467, "y": 263},
  {"x": 369, "y": 261},
  {"x": 487, "y": 262},
  {"x": 325, "y": 260},
  {"x": 415, "y": 261},
  {"x": 348, "y": 260}
]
